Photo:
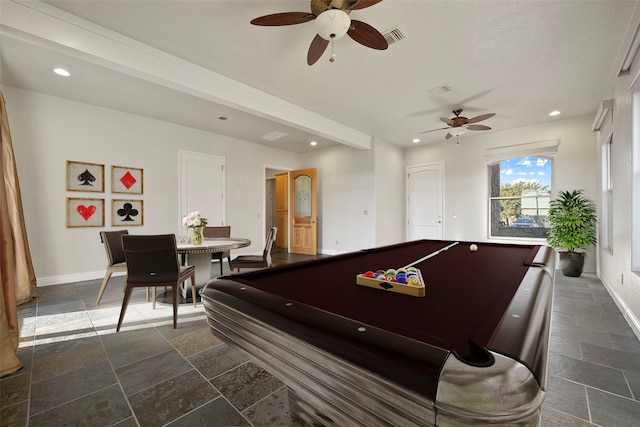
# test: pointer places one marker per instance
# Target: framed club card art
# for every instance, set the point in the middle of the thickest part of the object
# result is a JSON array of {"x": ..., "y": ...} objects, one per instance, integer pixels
[
  {"x": 126, "y": 180},
  {"x": 84, "y": 212},
  {"x": 127, "y": 212},
  {"x": 83, "y": 176}
]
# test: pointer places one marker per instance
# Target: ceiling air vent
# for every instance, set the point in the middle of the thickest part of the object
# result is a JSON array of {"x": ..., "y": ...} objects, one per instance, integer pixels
[
  {"x": 272, "y": 136},
  {"x": 393, "y": 36}
]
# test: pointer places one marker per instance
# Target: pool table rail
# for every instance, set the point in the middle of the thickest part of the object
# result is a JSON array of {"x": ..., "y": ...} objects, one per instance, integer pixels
[{"x": 334, "y": 391}]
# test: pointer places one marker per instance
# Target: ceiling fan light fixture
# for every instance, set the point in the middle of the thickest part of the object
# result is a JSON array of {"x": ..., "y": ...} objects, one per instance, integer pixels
[
  {"x": 457, "y": 131},
  {"x": 332, "y": 24}
]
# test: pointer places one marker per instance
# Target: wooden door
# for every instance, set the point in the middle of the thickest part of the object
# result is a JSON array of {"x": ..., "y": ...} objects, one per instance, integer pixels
[
  {"x": 282, "y": 210},
  {"x": 304, "y": 229},
  {"x": 425, "y": 202}
]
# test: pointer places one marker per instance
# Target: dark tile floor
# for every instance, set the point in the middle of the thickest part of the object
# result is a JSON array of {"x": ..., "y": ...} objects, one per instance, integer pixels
[{"x": 79, "y": 372}]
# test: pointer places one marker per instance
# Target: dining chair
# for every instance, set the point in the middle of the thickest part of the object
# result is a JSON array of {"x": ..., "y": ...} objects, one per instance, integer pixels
[
  {"x": 256, "y": 261},
  {"x": 152, "y": 261},
  {"x": 218, "y": 232},
  {"x": 112, "y": 241}
]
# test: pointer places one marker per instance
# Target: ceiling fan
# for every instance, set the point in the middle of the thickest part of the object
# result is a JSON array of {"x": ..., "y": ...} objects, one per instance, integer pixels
[
  {"x": 459, "y": 124},
  {"x": 332, "y": 22}
]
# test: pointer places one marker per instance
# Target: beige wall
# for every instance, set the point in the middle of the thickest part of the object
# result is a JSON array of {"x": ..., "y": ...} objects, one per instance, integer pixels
[{"x": 47, "y": 131}]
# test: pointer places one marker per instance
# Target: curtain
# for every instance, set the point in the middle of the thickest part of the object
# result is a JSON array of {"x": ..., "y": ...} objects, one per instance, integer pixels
[{"x": 16, "y": 268}]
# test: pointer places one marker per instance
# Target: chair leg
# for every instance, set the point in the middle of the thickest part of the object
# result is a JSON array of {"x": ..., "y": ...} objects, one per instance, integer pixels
[
  {"x": 175, "y": 306},
  {"x": 125, "y": 303},
  {"x": 194, "y": 295},
  {"x": 153, "y": 303},
  {"x": 107, "y": 276},
  {"x": 221, "y": 262}
]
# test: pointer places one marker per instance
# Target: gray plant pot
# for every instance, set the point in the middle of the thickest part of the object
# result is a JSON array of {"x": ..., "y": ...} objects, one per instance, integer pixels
[{"x": 571, "y": 263}]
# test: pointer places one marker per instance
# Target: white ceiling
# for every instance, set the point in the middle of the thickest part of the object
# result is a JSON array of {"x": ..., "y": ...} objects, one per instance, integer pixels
[{"x": 520, "y": 59}]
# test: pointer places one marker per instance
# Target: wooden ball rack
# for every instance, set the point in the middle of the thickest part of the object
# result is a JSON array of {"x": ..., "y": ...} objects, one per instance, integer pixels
[{"x": 401, "y": 288}]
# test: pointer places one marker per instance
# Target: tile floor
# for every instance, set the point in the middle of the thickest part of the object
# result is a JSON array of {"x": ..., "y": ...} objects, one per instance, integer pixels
[{"x": 79, "y": 372}]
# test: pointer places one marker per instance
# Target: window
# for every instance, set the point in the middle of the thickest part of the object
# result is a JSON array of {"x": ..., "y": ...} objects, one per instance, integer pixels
[
  {"x": 520, "y": 192},
  {"x": 606, "y": 224}
]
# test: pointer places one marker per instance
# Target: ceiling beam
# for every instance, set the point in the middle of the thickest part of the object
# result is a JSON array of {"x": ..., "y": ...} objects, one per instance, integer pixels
[{"x": 45, "y": 25}]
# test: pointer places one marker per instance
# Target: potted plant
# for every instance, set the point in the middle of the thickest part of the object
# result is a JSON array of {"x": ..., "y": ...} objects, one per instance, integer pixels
[{"x": 573, "y": 228}]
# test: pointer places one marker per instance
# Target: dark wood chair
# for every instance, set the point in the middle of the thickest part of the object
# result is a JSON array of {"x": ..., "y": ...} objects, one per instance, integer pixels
[
  {"x": 152, "y": 261},
  {"x": 218, "y": 232},
  {"x": 112, "y": 241},
  {"x": 256, "y": 261}
]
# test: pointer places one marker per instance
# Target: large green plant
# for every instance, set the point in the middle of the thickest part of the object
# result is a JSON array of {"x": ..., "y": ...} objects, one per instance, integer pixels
[{"x": 573, "y": 221}]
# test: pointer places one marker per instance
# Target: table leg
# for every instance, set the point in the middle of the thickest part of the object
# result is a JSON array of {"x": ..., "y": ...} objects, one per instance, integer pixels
[{"x": 202, "y": 263}]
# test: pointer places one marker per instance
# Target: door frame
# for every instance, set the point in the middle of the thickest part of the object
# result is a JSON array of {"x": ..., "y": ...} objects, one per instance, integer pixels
[
  {"x": 264, "y": 203},
  {"x": 415, "y": 168}
]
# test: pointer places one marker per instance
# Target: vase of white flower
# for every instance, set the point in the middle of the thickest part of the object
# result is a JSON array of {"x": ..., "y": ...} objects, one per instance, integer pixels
[
  {"x": 197, "y": 236},
  {"x": 196, "y": 223}
]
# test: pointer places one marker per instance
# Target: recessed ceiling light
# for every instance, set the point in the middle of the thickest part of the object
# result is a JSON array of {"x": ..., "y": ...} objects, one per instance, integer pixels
[
  {"x": 415, "y": 141},
  {"x": 61, "y": 72},
  {"x": 313, "y": 143},
  {"x": 554, "y": 113}
]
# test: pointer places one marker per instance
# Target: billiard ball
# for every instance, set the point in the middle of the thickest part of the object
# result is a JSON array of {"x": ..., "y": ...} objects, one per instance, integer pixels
[
  {"x": 413, "y": 281},
  {"x": 473, "y": 248}
]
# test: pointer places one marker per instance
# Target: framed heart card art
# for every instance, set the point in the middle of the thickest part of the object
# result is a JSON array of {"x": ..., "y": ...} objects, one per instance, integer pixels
[{"x": 84, "y": 212}]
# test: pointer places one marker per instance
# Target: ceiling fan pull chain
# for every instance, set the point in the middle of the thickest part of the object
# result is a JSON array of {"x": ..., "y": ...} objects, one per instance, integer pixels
[{"x": 333, "y": 54}]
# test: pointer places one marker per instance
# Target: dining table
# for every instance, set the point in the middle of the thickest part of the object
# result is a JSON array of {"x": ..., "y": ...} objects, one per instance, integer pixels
[{"x": 200, "y": 257}]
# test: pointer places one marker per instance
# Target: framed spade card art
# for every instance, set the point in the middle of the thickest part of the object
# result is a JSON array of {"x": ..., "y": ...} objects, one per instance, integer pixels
[
  {"x": 127, "y": 212},
  {"x": 82, "y": 176},
  {"x": 126, "y": 180},
  {"x": 83, "y": 212}
]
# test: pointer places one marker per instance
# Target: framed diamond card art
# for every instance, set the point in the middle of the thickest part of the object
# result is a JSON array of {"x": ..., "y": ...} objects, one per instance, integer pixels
[
  {"x": 127, "y": 212},
  {"x": 83, "y": 176},
  {"x": 83, "y": 212},
  {"x": 126, "y": 180}
]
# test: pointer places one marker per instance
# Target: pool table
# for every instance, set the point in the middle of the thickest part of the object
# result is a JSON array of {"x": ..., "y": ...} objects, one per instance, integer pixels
[{"x": 471, "y": 351}]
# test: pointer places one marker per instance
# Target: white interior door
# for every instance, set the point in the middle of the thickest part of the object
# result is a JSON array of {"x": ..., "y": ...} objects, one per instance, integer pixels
[
  {"x": 201, "y": 187},
  {"x": 425, "y": 189}
]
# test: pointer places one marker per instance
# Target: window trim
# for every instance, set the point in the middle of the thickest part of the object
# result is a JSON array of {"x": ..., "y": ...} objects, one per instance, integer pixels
[{"x": 547, "y": 148}]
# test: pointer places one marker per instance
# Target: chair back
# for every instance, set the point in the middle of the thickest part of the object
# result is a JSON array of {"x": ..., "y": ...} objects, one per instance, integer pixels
[
  {"x": 151, "y": 259},
  {"x": 222, "y": 231},
  {"x": 112, "y": 241},
  {"x": 271, "y": 237}
]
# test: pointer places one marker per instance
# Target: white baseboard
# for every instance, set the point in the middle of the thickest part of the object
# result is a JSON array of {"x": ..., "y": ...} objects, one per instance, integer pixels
[
  {"x": 70, "y": 278},
  {"x": 631, "y": 319},
  {"x": 331, "y": 252}
]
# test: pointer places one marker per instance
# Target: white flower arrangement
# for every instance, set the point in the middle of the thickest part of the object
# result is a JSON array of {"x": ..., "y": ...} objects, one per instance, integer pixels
[{"x": 194, "y": 220}]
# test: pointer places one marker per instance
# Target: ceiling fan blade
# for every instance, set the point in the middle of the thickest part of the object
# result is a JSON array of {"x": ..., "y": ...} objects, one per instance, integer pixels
[
  {"x": 354, "y": 5},
  {"x": 447, "y": 121},
  {"x": 433, "y": 130},
  {"x": 286, "y": 18},
  {"x": 478, "y": 127},
  {"x": 317, "y": 48},
  {"x": 449, "y": 136},
  {"x": 481, "y": 118},
  {"x": 366, "y": 35}
]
